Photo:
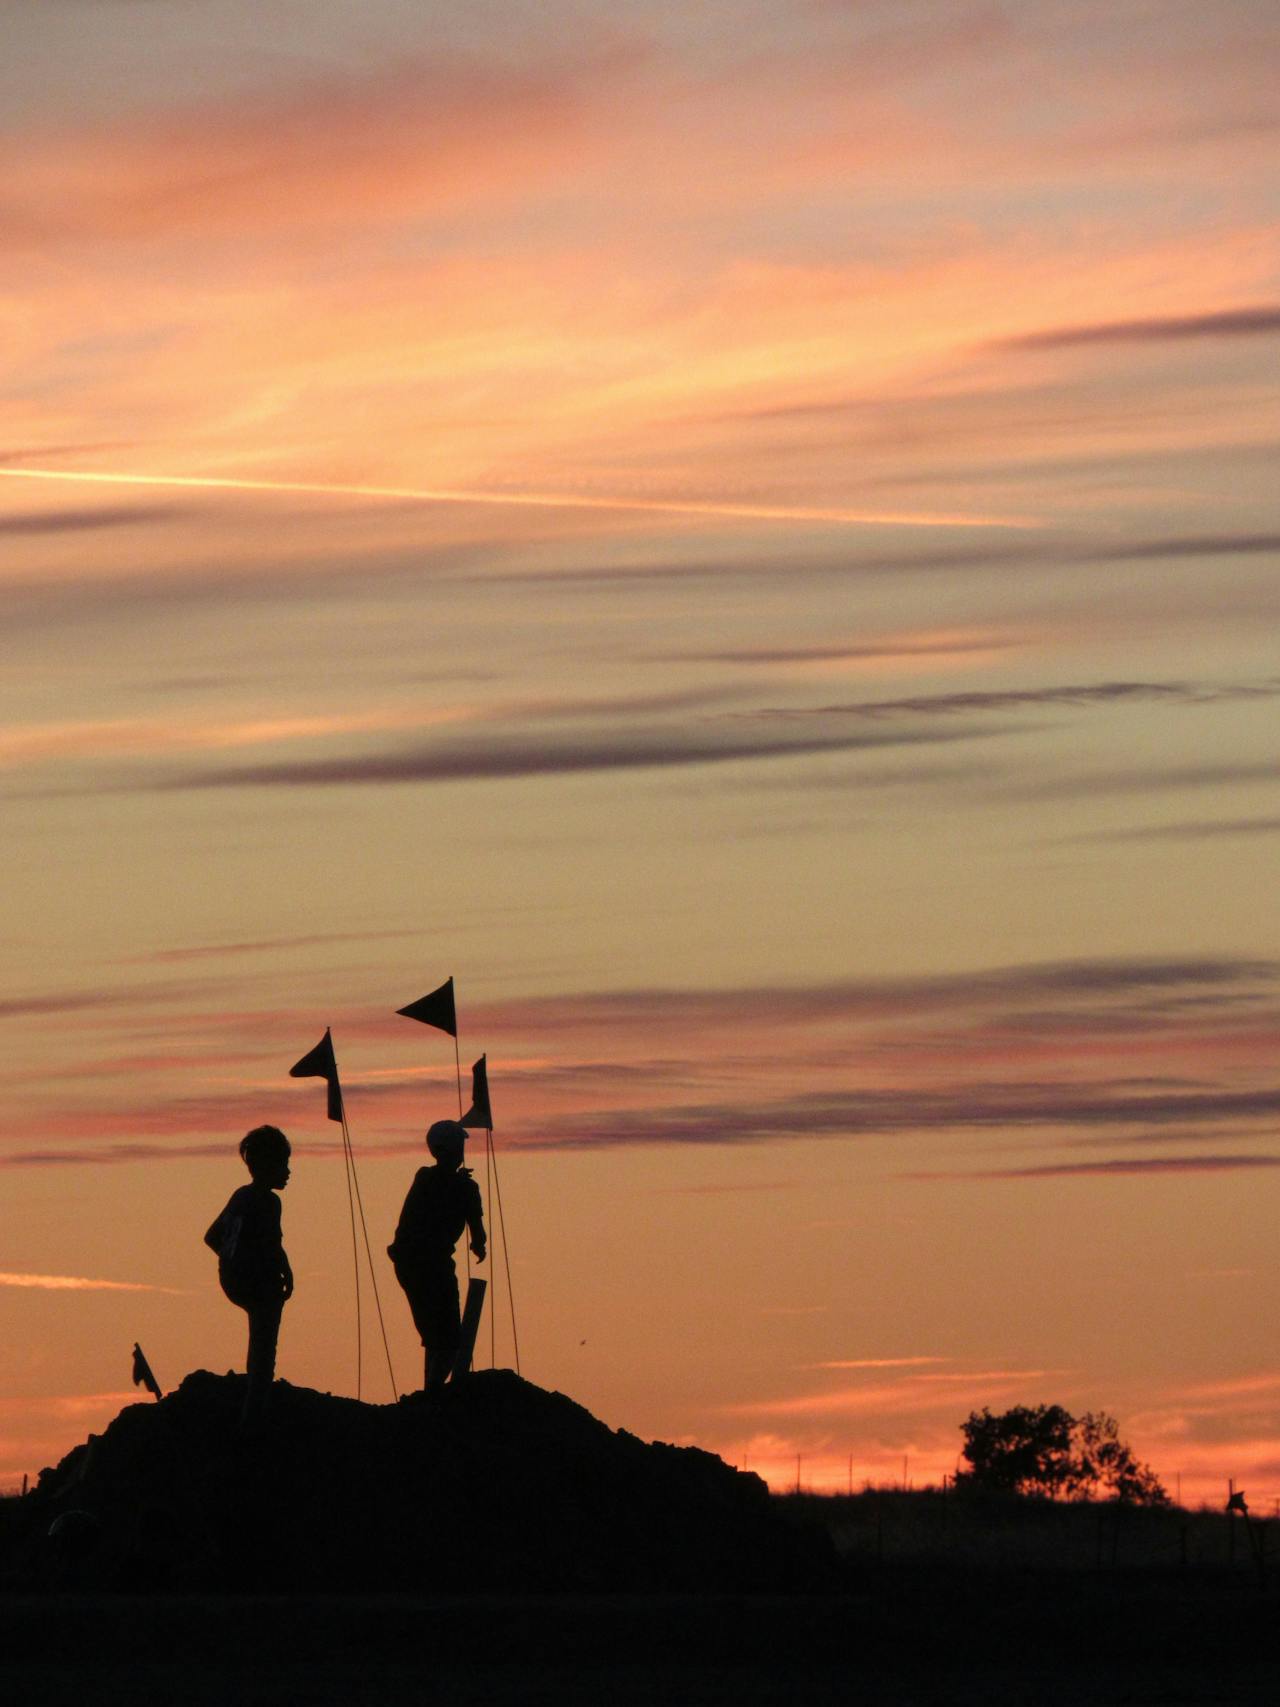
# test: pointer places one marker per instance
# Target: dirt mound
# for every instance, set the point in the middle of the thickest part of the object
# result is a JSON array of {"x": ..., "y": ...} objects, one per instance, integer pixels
[{"x": 494, "y": 1486}]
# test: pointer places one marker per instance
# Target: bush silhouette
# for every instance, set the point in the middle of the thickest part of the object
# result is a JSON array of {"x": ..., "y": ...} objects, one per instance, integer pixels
[{"x": 1044, "y": 1450}]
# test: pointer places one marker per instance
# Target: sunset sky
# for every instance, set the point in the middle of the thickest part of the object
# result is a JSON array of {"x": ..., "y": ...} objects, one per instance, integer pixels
[{"x": 746, "y": 534}]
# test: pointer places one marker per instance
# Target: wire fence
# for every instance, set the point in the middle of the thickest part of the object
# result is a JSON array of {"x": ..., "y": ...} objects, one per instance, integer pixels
[{"x": 959, "y": 1525}]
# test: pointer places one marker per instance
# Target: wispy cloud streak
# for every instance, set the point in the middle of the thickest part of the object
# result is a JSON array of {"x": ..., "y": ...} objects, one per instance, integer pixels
[
  {"x": 721, "y": 738},
  {"x": 876, "y": 1362},
  {"x": 1197, "y": 545},
  {"x": 39, "y": 522},
  {"x": 1261, "y": 320},
  {"x": 1114, "y": 980},
  {"x": 1074, "y": 696},
  {"x": 1120, "y": 1165},
  {"x": 515, "y": 758},
  {"x": 880, "y": 1111},
  {"x": 265, "y": 945},
  {"x": 619, "y": 503},
  {"x": 1189, "y": 830},
  {"x": 77, "y": 1283}
]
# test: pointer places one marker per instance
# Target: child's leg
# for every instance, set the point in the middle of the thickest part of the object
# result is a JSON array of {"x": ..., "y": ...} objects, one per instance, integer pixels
[
  {"x": 260, "y": 1363},
  {"x": 441, "y": 1328}
]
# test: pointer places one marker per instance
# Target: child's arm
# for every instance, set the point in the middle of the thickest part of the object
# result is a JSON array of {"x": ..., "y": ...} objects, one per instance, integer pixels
[
  {"x": 277, "y": 1237},
  {"x": 475, "y": 1224},
  {"x": 216, "y": 1236}
]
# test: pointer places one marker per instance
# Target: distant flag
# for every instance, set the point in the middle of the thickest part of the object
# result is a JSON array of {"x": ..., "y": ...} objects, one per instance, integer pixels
[
  {"x": 142, "y": 1376},
  {"x": 478, "y": 1114},
  {"x": 319, "y": 1063},
  {"x": 435, "y": 1009}
]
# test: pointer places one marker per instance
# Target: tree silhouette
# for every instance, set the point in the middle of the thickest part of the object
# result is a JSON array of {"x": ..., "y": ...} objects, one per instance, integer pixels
[
  {"x": 1044, "y": 1450},
  {"x": 1025, "y": 1450},
  {"x": 1106, "y": 1462}
]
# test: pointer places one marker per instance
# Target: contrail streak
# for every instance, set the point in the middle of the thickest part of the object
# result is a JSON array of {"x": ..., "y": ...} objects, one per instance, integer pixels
[{"x": 529, "y": 500}]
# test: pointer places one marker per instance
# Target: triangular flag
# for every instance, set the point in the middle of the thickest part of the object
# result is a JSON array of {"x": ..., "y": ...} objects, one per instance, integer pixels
[
  {"x": 479, "y": 1114},
  {"x": 319, "y": 1063},
  {"x": 436, "y": 1009}
]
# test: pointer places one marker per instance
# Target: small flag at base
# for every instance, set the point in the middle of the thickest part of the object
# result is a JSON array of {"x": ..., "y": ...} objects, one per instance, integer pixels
[
  {"x": 319, "y": 1063},
  {"x": 435, "y": 1009},
  {"x": 142, "y": 1376},
  {"x": 479, "y": 1113},
  {"x": 476, "y": 1289}
]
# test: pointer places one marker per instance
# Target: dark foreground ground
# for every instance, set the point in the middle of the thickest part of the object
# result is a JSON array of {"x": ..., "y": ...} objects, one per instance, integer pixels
[
  {"x": 497, "y": 1487},
  {"x": 906, "y": 1639},
  {"x": 503, "y": 1546}
]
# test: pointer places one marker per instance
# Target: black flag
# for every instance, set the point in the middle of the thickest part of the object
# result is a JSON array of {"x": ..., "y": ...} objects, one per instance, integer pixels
[
  {"x": 319, "y": 1063},
  {"x": 436, "y": 1009},
  {"x": 479, "y": 1114}
]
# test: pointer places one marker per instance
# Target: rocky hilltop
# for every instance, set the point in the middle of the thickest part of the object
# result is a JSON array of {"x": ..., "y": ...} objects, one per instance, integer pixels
[{"x": 494, "y": 1486}]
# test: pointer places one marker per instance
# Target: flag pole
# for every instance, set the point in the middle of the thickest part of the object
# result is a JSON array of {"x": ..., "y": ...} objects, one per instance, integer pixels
[
  {"x": 488, "y": 1199},
  {"x": 348, "y": 1164},
  {"x": 439, "y": 1008},
  {"x": 481, "y": 1114},
  {"x": 506, "y": 1253},
  {"x": 322, "y": 1063},
  {"x": 457, "y": 1067},
  {"x": 368, "y": 1252}
]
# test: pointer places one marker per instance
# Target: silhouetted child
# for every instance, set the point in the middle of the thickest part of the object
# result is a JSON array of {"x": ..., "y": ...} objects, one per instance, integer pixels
[
  {"x": 443, "y": 1201},
  {"x": 253, "y": 1270}
]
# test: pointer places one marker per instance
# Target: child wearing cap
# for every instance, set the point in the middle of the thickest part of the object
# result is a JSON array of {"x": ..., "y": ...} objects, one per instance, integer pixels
[{"x": 443, "y": 1202}]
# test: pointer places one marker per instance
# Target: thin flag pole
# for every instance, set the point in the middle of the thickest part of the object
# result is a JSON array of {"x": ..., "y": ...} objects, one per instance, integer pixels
[
  {"x": 506, "y": 1253},
  {"x": 457, "y": 1067},
  {"x": 439, "y": 1008},
  {"x": 368, "y": 1251},
  {"x": 322, "y": 1063},
  {"x": 488, "y": 1199},
  {"x": 348, "y": 1163}
]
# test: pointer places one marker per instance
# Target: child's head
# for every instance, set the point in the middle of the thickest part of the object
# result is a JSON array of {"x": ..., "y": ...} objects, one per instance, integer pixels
[
  {"x": 266, "y": 1153},
  {"x": 447, "y": 1140}
]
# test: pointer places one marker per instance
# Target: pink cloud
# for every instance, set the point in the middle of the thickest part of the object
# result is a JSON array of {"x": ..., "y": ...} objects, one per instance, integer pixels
[
  {"x": 876, "y": 1362},
  {"x": 401, "y": 142},
  {"x": 65, "y": 1404}
]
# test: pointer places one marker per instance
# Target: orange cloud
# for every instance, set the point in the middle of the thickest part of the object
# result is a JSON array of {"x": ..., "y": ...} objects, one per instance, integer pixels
[
  {"x": 118, "y": 737},
  {"x": 876, "y": 1362},
  {"x": 901, "y": 1398},
  {"x": 66, "y": 1404}
]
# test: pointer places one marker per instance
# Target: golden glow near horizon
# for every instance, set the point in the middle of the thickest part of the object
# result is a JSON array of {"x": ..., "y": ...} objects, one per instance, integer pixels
[{"x": 754, "y": 550}]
